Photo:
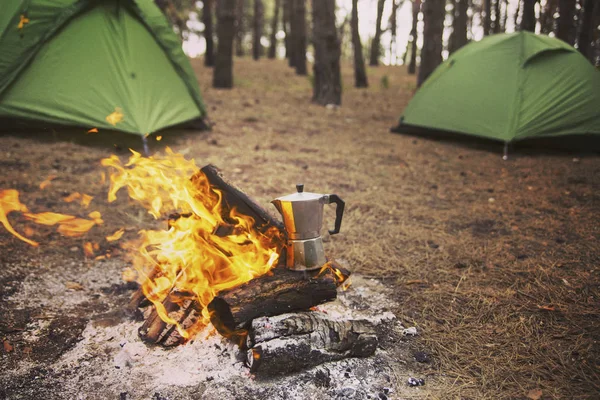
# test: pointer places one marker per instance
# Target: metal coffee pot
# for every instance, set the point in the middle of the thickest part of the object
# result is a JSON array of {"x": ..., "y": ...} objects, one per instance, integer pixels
[{"x": 303, "y": 218}]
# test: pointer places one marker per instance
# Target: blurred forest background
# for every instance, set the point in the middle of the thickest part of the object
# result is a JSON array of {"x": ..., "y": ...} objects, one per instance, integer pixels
[{"x": 417, "y": 33}]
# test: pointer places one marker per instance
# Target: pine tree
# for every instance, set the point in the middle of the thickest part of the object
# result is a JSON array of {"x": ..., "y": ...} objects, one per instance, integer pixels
[
  {"x": 360, "y": 73},
  {"x": 327, "y": 86}
]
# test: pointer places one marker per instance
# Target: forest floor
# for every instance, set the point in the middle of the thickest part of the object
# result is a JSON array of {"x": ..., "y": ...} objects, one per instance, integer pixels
[{"x": 497, "y": 263}]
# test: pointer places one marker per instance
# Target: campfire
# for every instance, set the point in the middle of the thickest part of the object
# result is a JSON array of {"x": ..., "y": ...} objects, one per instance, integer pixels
[{"x": 223, "y": 259}]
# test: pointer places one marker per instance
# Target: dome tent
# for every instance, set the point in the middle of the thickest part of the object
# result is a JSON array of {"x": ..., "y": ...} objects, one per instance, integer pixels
[
  {"x": 112, "y": 64},
  {"x": 509, "y": 87}
]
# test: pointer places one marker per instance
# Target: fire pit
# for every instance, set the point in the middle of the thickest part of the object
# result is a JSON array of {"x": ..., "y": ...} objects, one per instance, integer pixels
[{"x": 229, "y": 304}]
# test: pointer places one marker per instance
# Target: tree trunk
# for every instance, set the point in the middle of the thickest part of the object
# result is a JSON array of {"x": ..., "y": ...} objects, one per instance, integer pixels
[
  {"x": 459, "y": 26},
  {"x": 376, "y": 42},
  {"x": 207, "y": 20},
  {"x": 327, "y": 83},
  {"x": 393, "y": 30},
  {"x": 287, "y": 16},
  {"x": 496, "y": 23},
  {"x": 585, "y": 35},
  {"x": 274, "y": 27},
  {"x": 487, "y": 18},
  {"x": 360, "y": 73},
  {"x": 594, "y": 56},
  {"x": 528, "y": 19},
  {"x": 433, "y": 25},
  {"x": 257, "y": 29},
  {"x": 223, "y": 71},
  {"x": 240, "y": 32},
  {"x": 565, "y": 25},
  {"x": 299, "y": 36},
  {"x": 416, "y": 8}
]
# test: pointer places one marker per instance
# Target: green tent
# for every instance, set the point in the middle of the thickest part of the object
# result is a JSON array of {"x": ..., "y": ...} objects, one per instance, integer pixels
[
  {"x": 113, "y": 64},
  {"x": 509, "y": 87}
]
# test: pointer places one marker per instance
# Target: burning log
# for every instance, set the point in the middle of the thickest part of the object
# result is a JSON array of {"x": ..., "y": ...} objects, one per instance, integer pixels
[
  {"x": 235, "y": 198},
  {"x": 278, "y": 292},
  {"x": 292, "y": 342},
  {"x": 155, "y": 330}
]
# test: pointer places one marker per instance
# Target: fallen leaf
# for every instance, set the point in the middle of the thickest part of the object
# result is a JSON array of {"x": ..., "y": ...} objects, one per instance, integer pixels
[
  {"x": 115, "y": 117},
  {"x": 22, "y": 21},
  {"x": 93, "y": 130},
  {"x": 158, "y": 138},
  {"x": 7, "y": 346},
  {"x": 534, "y": 394},
  {"x": 547, "y": 308},
  {"x": 73, "y": 285}
]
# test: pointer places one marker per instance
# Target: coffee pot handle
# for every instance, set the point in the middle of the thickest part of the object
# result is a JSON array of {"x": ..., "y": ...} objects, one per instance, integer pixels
[{"x": 339, "y": 212}]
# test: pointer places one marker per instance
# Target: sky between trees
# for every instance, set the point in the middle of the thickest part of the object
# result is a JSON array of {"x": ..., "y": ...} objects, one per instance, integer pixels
[{"x": 195, "y": 45}]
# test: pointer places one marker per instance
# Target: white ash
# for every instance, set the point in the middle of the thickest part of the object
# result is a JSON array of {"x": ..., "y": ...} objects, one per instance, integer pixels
[
  {"x": 211, "y": 367},
  {"x": 47, "y": 284}
]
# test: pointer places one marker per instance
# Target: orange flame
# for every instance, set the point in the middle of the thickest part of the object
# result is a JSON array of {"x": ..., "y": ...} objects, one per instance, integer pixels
[
  {"x": 84, "y": 199},
  {"x": 47, "y": 181},
  {"x": 75, "y": 227},
  {"x": 342, "y": 279},
  {"x": 115, "y": 236},
  {"x": 188, "y": 258},
  {"x": 88, "y": 249},
  {"x": 48, "y": 218},
  {"x": 9, "y": 202},
  {"x": 68, "y": 225}
]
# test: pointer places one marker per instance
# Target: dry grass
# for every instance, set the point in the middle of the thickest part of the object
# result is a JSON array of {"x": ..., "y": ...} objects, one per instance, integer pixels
[{"x": 470, "y": 272}]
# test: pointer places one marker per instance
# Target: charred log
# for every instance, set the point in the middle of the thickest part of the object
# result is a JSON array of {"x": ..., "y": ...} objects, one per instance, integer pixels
[
  {"x": 292, "y": 342},
  {"x": 278, "y": 292}
]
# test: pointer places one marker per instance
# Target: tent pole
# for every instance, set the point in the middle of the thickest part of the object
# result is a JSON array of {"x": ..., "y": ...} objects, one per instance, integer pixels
[
  {"x": 145, "y": 142},
  {"x": 505, "y": 156}
]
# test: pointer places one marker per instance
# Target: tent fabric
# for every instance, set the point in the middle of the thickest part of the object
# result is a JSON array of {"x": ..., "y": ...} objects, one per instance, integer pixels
[
  {"x": 78, "y": 61},
  {"x": 510, "y": 87}
]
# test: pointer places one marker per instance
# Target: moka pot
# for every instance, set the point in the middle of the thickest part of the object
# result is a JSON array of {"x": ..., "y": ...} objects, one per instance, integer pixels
[{"x": 302, "y": 214}]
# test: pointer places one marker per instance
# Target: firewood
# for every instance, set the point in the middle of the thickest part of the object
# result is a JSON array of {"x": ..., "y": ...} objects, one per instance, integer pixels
[
  {"x": 292, "y": 342},
  {"x": 277, "y": 292}
]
